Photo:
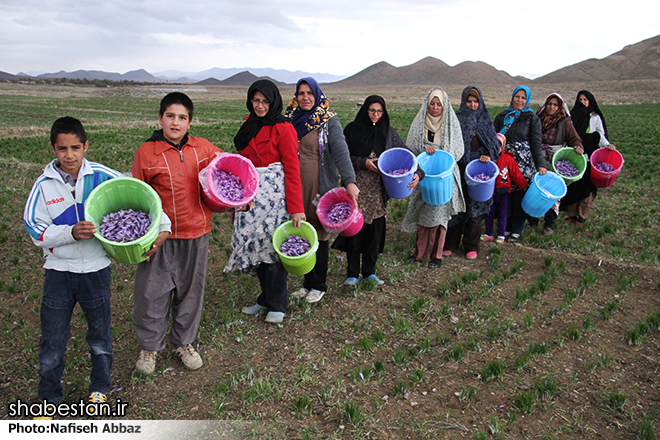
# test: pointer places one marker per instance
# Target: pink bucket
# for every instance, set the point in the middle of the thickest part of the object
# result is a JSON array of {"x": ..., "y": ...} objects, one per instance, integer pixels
[
  {"x": 605, "y": 179},
  {"x": 238, "y": 166},
  {"x": 349, "y": 227}
]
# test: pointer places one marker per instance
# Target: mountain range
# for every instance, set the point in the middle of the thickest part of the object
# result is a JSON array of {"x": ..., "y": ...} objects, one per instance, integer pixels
[{"x": 636, "y": 61}]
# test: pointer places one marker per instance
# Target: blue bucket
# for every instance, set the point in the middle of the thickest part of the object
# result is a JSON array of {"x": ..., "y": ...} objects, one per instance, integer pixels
[
  {"x": 438, "y": 184},
  {"x": 477, "y": 190},
  {"x": 542, "y": 193},
  {"x": 396, "y": 186}
]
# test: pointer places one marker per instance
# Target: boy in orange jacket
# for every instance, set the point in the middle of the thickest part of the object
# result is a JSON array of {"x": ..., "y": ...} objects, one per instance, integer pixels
[{"x": 172, "y": 280}]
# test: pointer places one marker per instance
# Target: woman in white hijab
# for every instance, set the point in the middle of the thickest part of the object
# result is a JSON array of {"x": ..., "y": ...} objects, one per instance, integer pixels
[{"x": 434, "y": 128}]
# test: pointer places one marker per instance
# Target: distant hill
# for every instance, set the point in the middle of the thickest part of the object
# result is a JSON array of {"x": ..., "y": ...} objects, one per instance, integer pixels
[
  {"x": 4, "y": 76},
  {"x": 430, "y": 71},
  {"x": 140, "y": 75},
  {"x": 636, "y": 61},
  {"x": 244, "y": 78},
  {"x": 285, "y": 76}
]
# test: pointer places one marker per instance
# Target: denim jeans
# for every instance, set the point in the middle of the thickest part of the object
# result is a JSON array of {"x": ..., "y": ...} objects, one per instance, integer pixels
[{"x": 62, "y": 290}]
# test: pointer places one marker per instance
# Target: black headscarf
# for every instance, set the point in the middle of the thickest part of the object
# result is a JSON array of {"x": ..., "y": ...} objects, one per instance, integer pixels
[
  {"x": 476, "y": 122},
  {"x": 581, "y": 115},
  {"x": 362, "y": 135},
  {"x": 254, "y": 123}
]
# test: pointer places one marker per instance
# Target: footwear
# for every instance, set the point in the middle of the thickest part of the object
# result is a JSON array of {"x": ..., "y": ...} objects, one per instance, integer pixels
[
  {"x": 412, "y": 259},
  {"x": 514, "y": 238},
  {"x": 350, "y": 281},
  {"x": 253, "y": 310},
  {"x": 97, "y": 397},
  {"x": 374, "y": 279},
  {"x": 314, "y": 296},
  {"x": 435, "y": 263},
  {"x": 300, "y": 293},
  {"x": 472, "y": 255},
  {"x": 447, "y": 253},
  {"x": 274, "y": 317},
  {"x": 499, "y": 240},
  {"x": 146, "y": 363},
  {"x": 549, "y": 231},
  {"x": 571, "y": 219},
  {"x": 580, "y": 221},
  {"x": 190, "y": 358},
  {"x": 486, "y": 238}
]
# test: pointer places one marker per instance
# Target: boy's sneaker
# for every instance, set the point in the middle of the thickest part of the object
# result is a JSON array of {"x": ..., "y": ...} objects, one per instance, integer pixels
[
  {"x": 97, "y": 397},
  {"x": 499, "y": 240},
  {"x": 514, "y": 238},
  {"x": 300, "y": 293},
  {"x": 190, "y": 358},
  {"x": 351, "y": 281},
  {"x": 146, "y": 362},
  {"x": 314, "y": 296},
  {"x": 374, "y": 279},
  {"x": 253, "y": 310},
  {"x": 486, "y": 238}
]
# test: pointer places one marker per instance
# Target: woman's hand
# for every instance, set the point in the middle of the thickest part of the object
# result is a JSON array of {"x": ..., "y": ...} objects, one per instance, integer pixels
[
  {"x": 429, "y": 150},
  {"x": 162, "y": 236},
  {"x": 542, "y": 170},
  {"x": 484, "y": 158},
  {"x": 353, "y": 191},
  {"x": 414, "y": 182},
  {"x": 579, "y": 150},
  {"x": 371, "y": 165},
  {"x": 611, "y": 147},
  {"x": 297, "y": 218}
]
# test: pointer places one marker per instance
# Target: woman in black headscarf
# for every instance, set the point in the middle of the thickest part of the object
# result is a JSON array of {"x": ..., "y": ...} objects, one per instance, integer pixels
[
  {"x": 590, "y": 125},
  {"x": 480, "y": 141},
  {"x": 367, "y": 137},
  {"x": 270, "y": 142}
]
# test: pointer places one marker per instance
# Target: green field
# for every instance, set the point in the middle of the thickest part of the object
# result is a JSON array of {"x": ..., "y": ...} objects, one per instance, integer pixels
[{"x": 555, "y": 338}]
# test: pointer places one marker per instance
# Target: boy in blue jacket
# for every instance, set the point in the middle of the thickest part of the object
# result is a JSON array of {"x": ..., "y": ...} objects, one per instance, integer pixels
[{"x": 77, "y": 267}]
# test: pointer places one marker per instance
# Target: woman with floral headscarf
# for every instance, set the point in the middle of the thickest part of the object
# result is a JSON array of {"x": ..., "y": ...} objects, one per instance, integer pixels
[
  {"x": 557, "y": 132},
  {"x": 522, "y": 129},
  {"x": 480, "y": 142},
  {"x": 590, "y": 125},
  {"x": 434, "y": 128},
  {"x": 324, "y": 156}
]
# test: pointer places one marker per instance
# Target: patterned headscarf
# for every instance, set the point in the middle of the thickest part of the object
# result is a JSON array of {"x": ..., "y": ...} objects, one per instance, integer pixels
[
  {"x": 476, "y": 122},
  {"x": 513, "y": 114},
  {"x": 550, "y": 123},
  {"x": 307, "y": 121}
]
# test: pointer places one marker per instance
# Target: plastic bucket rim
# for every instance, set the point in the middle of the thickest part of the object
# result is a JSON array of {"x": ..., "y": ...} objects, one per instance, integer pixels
[
  {"x": 216, "y": 197},
  {"x": 478, "y": 182},
  {"x": 152, "y": 227},
  {"x": 304, "y": 256}
]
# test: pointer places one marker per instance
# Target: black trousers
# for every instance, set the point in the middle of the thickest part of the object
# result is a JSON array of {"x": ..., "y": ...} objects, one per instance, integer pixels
[
  {"x": 471, "y": 233},
  {"x": 317, "y": 277},
  {"x": 272, "y": 278},
  {"x": 367, "y": 242}
]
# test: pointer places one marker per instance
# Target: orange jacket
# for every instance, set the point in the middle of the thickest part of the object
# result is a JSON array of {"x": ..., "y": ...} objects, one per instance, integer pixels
[{"x": 173, "y": 174}]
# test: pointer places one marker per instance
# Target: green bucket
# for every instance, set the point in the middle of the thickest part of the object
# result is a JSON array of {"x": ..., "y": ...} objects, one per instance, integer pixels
[
  {"x": 304, "y": 263},
  {"x": 125, "y": 193},
  {"x": 578, "y": 160}
]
